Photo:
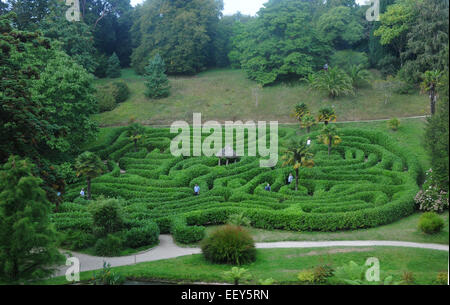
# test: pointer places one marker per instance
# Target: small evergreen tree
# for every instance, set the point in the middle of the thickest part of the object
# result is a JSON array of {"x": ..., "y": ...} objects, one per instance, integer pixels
[
  {"x": 113, "y": 69},
  {"x": 156, "y": 80},
  {"x": 27, "y": 238}
]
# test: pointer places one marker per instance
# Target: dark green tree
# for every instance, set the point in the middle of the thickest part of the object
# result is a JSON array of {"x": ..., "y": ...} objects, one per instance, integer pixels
[
  {"x": 27, "y": 238},
  {"x": 156, "y": 79},
  {"x": 181, "y": 31},
  {"x": 135, "y": 132},
  {"x": 113, "y": 70}
]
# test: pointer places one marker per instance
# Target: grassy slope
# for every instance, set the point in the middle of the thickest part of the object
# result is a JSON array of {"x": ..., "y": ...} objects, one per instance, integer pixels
[
  {"x": 225, "y": 94},
  {"x": 283, "y": 265}
]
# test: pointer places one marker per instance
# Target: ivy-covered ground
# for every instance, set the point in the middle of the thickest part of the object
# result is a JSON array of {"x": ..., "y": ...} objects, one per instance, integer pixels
[{"x": 369, "y": 180}]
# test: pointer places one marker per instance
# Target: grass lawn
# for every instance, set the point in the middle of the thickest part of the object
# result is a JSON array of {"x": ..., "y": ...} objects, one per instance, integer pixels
[
  {"x": 226, "y": 94},
  {"x": 283, "y": 265}
]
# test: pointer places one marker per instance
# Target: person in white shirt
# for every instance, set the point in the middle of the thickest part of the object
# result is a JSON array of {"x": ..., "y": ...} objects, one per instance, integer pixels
[
  {"x": 196, "y": 190},
  {"x": 308, "y": 143},
  {"x": 290, "y": 178},
  {"x": 82, "y": 193}
]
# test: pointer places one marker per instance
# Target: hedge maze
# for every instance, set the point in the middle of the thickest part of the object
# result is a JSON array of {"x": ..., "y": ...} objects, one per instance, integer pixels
[{"x": 367, "y": 181}]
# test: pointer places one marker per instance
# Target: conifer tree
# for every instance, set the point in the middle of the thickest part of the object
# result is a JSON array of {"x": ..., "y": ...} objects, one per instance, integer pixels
[
  {"x": 156, "y": 80},
  {"x": 113, "y": 70},
  {"x": 27, "y": 238}
]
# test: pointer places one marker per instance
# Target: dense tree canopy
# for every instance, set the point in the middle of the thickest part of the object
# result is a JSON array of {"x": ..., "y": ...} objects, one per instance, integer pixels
[{"x": 180, "y": 31}]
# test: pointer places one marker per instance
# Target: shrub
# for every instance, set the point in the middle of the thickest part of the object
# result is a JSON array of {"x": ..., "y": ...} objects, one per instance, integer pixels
[
  {"x": 107, "y": 277},
  {"x": 76, "y": 240},
  {"x": 108, "y": 246},
  {"x": 107, "y": 216},
  {"x": 185, "y": 234},
  {"x": 345, "y": 59},
  {"x": 322, "y": 273},
  {"x": 335, "y": 82},
  {"x": 442, "y": 278},
  {"x": 431, "y": 197},
  {"x": 351, "y": 273},
  {"x": 394, "y": 124},
  {"x": 430, "y": 223},
  {"x": 239, "y": 220},
  {"x": 306, "y": 277},
  {"x": 229, "y": 245},
  {"x": 237, "y": 274},
  {"x": 147, "y": 235},
  {"x": 105, "y": 98},
  {"x": 122, "y": 93}
]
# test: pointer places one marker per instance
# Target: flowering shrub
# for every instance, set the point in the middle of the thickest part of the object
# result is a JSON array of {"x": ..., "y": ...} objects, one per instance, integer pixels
[{"x": 431, "y": 197}]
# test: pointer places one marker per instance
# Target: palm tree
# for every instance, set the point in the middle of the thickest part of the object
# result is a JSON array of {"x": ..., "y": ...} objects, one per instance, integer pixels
[
  {"x": 89, "y": 165},
  {"x": 326, "y": 115},
  {"x": 330, "y": 136},
  {"x": 431, "y": 80},
  {"x": 308, "y": 121},
  {"x": 237, "y": 274},
  {"x": 297, "y": 155},
  {"x": 300, "y": 111},
  {"x": 335, "y": 82},
  {"x": 359, "y": 76},
  {"x": 135, "y": 132}
]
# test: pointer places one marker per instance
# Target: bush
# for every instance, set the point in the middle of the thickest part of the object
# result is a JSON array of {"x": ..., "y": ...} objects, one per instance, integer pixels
[
  {"x": 442, "y": 278},
  {"x": 108, "y": 246},
  {"x": 107, "y": 277},
  {"x": 76, "y": 240},
  {"x": 306, "y": 277},
  {"x": 122, "y": 93},
  {"x": 431, "y": 197},
  {"x": 147, "y": 235},
  {"x": 185, "y": 234},
  {"x": 394, "y": 124},
  {"x": 229, "y": 245},
  {"x": 105, "y": 98},
  {"x": 107, "y": 216},
  {"x": 430, "y": 223},
  {"x": 345, "y": 59}
]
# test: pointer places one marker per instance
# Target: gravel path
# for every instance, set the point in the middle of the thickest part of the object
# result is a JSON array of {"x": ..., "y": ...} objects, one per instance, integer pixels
[{"x": 168, "y": 249}]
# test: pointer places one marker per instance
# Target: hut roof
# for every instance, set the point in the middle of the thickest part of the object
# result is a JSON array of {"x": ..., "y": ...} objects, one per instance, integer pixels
[{"x": 227, "y": 152}]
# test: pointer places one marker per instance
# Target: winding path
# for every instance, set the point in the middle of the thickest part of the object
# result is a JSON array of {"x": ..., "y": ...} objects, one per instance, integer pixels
[{"x": 168, "y": 249}]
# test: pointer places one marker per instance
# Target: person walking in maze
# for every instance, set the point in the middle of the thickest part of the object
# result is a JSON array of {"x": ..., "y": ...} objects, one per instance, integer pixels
[
  {"x": 267, "y": 188},
  {"x": 290, "y": 178},
  {"x": 196, "y": 190},
  {"x": 82, "y": 193}
]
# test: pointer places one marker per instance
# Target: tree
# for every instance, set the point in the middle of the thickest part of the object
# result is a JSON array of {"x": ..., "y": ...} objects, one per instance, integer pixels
[
  {"x": 300, "y": 111},
  {"x": 326, "y": 115},
  {"x": 178, "y": 30},
  {"x": 297, "y": 155},
  {"x": 395, "y": 24},
  {"x": 430, "y": 82},
  {"x": 90, "y": 166},
  {"x": 341, "y": 26},
  {"x": 335, "y": 82},
  {"x": 330, "y": 136},
  {"x": 27, "y": 238},
  {"x": 156, "y": 82},
  {"x": 113, "y": 70},
  {"x": 427, "y": 40},
  {"x": 281, "y": 43},
  {"x": 70, "y": 106},
  {"x": 308, "y": 121},
  {"x": 135, "y": 132},
  {"x": 359, "y": 76}
]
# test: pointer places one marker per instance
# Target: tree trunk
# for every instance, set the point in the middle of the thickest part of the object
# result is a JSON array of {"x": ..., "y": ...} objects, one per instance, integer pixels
[
  {"x": 329, "y": 145},
  {"x": 308, "y": 129},
  {"x": 296, "y": 179},
  {"x": 89, "y": 188},
  {"x": 433, "y": 101},
  {"x": 135, "y": 145},
  {"x": 326, "y": 123},
  {"x": 236, "y": 281}
]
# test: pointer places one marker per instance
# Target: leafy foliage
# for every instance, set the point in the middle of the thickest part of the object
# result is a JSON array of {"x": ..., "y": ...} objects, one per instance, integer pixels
[
  {"x": 113, "y": 70},
  {"x": 237, "y": 275},
  {"x": 430, "y": 223},
  {"x": 90, "y": 166},
  {"x": 335, "y": 82},
  {"x": 330, "y": 136}
]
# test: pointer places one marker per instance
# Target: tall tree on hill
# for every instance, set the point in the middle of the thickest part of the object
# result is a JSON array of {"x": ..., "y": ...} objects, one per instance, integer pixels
[
  {"x": 27, "y": 238},
  {"x": 156, "y": 79},
  {"x": 113, "y": 70},
  {"x": 179, "y": 30},
  {"x": 330, "y": 136}
]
